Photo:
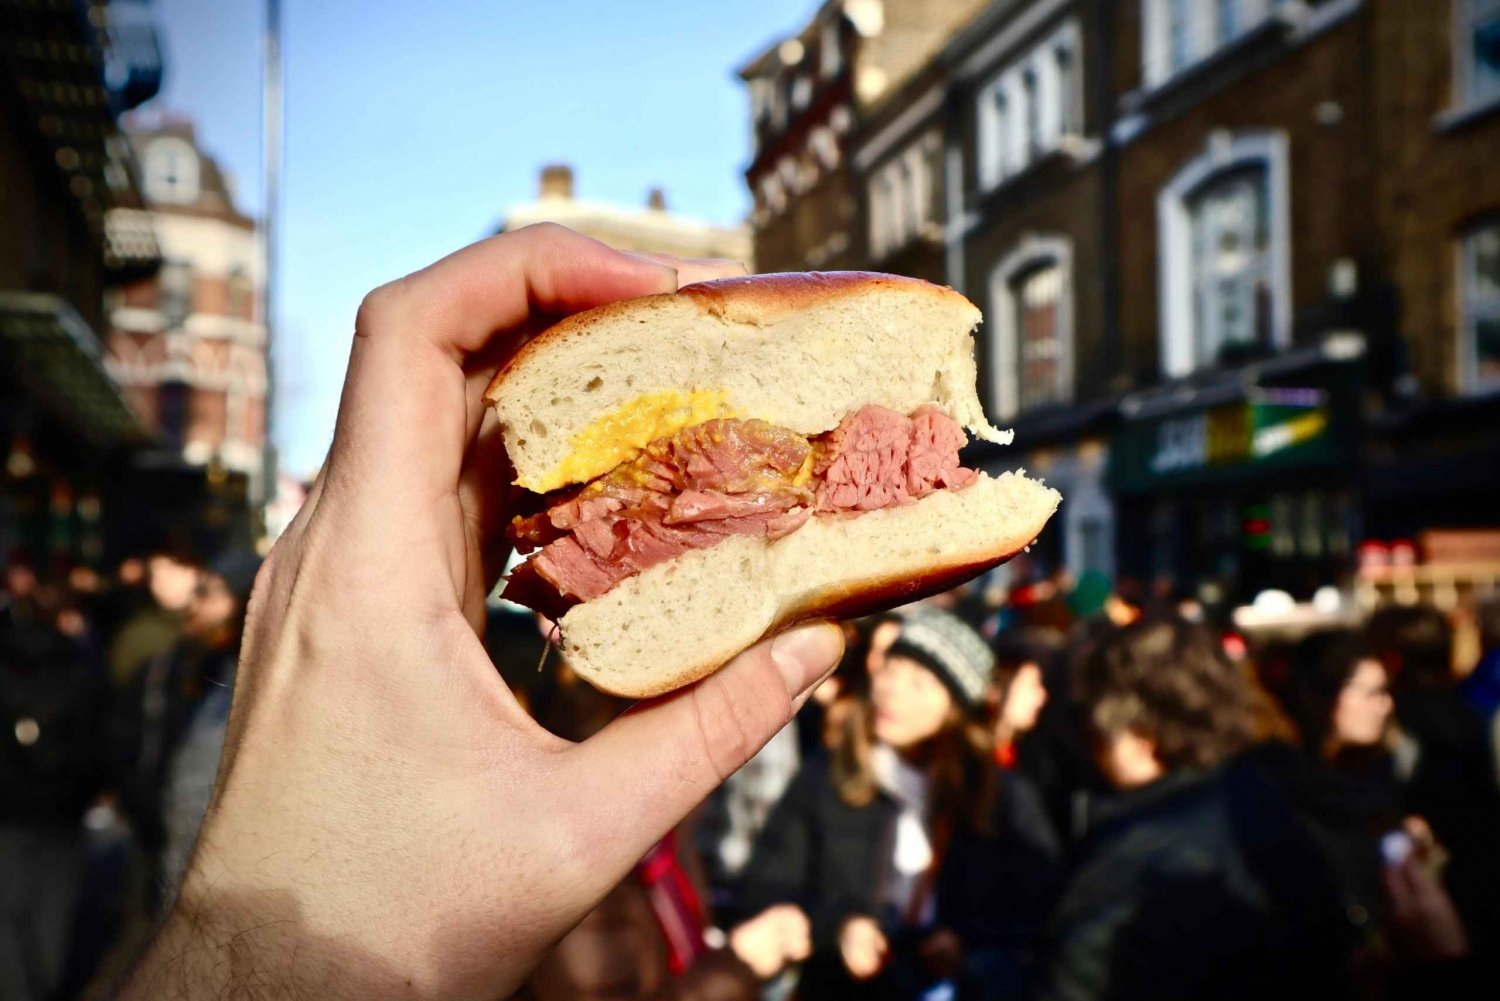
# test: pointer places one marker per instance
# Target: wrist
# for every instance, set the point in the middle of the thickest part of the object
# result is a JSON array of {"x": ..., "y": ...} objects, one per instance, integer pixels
[{"x": 218, "y": 942}]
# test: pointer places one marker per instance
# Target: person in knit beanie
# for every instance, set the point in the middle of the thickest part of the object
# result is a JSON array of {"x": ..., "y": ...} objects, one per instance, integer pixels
[{"x": 891, "y": 846}]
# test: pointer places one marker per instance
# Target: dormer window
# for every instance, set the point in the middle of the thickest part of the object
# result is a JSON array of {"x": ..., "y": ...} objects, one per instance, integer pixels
[
  {"x": 172, "y": 171},
  {"x": 830, "y": 56}
]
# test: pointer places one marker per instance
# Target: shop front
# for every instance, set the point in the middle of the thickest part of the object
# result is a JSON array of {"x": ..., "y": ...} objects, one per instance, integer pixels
[{"x": 1224, "y": 491}]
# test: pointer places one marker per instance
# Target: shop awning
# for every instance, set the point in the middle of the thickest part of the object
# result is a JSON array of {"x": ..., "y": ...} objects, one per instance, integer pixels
[{"x": 59, "y": 362}]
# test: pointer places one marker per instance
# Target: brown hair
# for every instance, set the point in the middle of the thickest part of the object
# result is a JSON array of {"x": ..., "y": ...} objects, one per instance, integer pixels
[
  {"x": 1168, "y": 680},
  {"x": 956, "y": 760}
]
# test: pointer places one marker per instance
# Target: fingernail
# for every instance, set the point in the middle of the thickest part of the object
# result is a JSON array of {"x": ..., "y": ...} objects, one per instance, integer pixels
[
  {"x": 655, "y": 262},
  {"x": 806, "y": 655}
]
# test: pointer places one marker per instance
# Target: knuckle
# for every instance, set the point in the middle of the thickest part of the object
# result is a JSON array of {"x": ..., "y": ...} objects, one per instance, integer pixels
[
  {"x": 379, "y": 305},
  {"x": 732, "y": 729}
]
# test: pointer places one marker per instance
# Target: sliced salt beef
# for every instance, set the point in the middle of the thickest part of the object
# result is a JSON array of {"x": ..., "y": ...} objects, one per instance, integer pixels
[
  {"x": 729, "y": 477},
  {"x": 684, "y": 492},
  {"x": 878, "y": 458}
]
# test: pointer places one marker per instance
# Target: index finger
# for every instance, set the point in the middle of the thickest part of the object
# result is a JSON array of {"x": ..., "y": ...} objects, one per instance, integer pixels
[{"x": 405, "y": 417}]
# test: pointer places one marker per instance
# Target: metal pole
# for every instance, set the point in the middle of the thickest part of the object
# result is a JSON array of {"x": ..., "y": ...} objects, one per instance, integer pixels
[{"x": 271, "y": 143}]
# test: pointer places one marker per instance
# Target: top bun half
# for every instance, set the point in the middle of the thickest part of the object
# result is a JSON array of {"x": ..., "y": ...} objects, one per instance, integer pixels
[{"x": 796, "y": 350}]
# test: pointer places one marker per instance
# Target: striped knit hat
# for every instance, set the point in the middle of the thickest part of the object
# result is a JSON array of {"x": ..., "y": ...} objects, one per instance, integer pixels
[{"x": 951, "y": 649}]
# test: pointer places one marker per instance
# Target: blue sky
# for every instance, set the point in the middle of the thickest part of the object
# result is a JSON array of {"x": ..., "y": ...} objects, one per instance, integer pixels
[{"x": 411, "y": 129}]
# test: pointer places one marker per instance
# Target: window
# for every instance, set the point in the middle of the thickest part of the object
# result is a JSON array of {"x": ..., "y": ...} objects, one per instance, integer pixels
[
  {"x": 171, "y": 171},
  {"x": 1069, "y": 117},
  {"x": 1228, "y": 20},
  {"x": 172, "y": 410},
  {"x": 1037, "y": 294},
  {"x": 830, "y": 55},
  {"x": 1230, "y": 262},
  {"x": 174, "y": 294},
  {"x": 1480, "y": 284},
  {"x": 1027, "y": 108},
  {"x": 1477, "y": 59},
  {"x": 1178, "y": 34},
  {"x": 994, "y": 122},
  {"x": 1032, "y": 109},
  {"x": 1031, "y": 358},
  {"x": 801, "y": 91},
  {"x": 1225, "y": 259},
  {"x": 760, "y": 99},
  {"x": 906, "y": 195},
  {"x": 239, "y": 304}
]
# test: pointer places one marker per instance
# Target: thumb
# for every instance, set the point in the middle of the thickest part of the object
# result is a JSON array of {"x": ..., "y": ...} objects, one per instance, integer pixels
[{"x": 645, "y": 771}]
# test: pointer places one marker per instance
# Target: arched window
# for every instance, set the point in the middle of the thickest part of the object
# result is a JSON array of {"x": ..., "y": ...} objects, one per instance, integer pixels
[
  {"x": 1224, "y": 252},
  {"x": 1031, "y": 354}
]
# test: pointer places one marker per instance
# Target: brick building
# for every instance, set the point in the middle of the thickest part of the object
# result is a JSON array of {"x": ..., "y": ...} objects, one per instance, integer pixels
[
  {"x": 188, "y": 345},
  {"x": 1305, "y": 208},
  {"x": 1239, "y": 262},
  {"x": 808, "y": 93},
  {"x": 985, "y": 172}
]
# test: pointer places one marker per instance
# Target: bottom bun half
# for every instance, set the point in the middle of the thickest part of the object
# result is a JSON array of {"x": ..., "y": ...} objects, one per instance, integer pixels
[{"x": 679, "y": 621}]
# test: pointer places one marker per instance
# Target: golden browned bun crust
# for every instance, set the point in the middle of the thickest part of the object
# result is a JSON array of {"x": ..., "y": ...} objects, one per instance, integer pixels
[{"x": 754, "y": 299}]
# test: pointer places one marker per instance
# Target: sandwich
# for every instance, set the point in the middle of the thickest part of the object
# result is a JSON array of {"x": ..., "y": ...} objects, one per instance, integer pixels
[{"x": 704, "y": 468}]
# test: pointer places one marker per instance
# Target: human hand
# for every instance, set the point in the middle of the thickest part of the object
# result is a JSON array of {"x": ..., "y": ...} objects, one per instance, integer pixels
[
  {"x": 776, "y": 936},
  {"x": 387, "y": 820},
  {"x": 863, "y": 946},
  {"x": 1423, "y": 917}
]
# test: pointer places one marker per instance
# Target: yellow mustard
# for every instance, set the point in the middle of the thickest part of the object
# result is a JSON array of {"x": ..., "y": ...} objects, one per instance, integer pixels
[{"x": 618, "y": 435}]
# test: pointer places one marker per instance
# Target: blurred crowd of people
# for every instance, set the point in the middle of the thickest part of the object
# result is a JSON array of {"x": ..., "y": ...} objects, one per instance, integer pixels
[
  {"x": 115, "y": 694},
  {"x": 1077, "y": 793},
  {"x": 1058, "y": 791}
]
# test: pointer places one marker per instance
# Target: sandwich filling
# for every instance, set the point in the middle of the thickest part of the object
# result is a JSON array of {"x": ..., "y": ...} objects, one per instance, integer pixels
[{"x": 725, "y": 477}]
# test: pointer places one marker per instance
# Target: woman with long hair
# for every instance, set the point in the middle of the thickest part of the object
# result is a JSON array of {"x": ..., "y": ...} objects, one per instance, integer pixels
[{"x": 913, "y": 862}]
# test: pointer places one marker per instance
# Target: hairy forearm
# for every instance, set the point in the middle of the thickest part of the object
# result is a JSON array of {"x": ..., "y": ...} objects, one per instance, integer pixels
[{"x": 219, "y": 944}]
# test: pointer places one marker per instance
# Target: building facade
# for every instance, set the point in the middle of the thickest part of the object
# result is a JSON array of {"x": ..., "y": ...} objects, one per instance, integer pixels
[
  {"x": 188, "y": 345},
  {"x": 1239, "y": 264},
  {"x": 1303, "y": 206},
  {"x": 71, "y": 193},
  {"x": 809, "y": 91},
  {"x": 650, "y": 228}
]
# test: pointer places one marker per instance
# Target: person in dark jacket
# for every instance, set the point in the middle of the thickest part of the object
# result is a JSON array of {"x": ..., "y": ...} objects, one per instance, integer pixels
[
  {"x": 1451, "y": 782},
  {"x": 921, "y": 866},
  {"x": 1196, "y": 880},
  {"x": 53, "y": 701}
]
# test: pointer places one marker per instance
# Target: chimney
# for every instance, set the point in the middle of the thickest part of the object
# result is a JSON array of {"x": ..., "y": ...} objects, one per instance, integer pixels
[
  {"x": 656, "y": 200},
  {"x": 557, "y": 181}
]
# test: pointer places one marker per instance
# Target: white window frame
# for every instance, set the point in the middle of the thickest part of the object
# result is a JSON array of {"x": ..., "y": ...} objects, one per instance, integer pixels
[
  {"x": 1466, "y": 16},
  {"x": 1471, "y": 309},
  {"x": 1204, "y": 37},
  {"x": 1032, "y": 251},
  {"x": 1004, "y": 147},
  {"x": 1224, "y": 153}
]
